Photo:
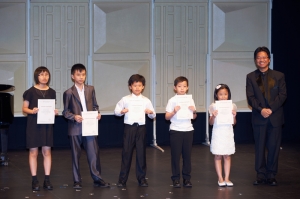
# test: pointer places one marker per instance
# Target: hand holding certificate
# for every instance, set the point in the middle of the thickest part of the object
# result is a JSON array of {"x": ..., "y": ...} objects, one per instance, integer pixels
[
  {"x": 184, "y": 101},
  {"x": 136, "y": 111},
  {"x": 89, "y": 123},
  {"x": 224, "y": 108},
  {"x": 46, "y": 111}
]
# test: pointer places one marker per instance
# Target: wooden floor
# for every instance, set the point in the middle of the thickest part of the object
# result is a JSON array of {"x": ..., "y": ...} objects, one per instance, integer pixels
[{"x": 15, "y": 181}]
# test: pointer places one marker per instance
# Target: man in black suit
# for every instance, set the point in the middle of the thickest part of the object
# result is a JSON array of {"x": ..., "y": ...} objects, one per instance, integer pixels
[
  {"x": 81, "y": 97},
  {"x": 266, "y": 93}
]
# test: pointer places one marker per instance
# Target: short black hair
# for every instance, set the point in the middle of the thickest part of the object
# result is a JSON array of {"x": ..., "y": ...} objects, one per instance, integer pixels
[
  {"x": 219, "y": 87},
  {"x": 181, "y": 79},
  {"x": 38, "y": 71},
  {"x": 136, "y": 78},
  {"x": 76, "y": 67},
  {"x": 262, "y": 49}
]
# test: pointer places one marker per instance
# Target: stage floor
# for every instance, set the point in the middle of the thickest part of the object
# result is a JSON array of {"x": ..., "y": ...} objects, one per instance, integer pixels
[{"x": 15, "y": 181}]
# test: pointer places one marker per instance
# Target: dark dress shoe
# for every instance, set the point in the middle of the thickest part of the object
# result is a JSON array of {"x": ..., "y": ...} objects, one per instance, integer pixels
[
  {"x": 272, "y": 182},
  {"x": 35, "y": 185},
  {"x": 48, "y": 185},
  {"x": 176, "y": 184},
  {"x": 187, "y": 183},
  {"x": 101, "y": 183},
  {"x": 143, "y": 183},
  {"x": 121, "y": 183},
  {"x": 77, "y": 185},
  {"x": 259, "y": 181}
]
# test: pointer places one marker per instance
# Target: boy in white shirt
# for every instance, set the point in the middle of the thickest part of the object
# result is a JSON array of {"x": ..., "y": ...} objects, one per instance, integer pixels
[
  {"x": 181, "y": 134},
  {"x": 134, "y": 107}
]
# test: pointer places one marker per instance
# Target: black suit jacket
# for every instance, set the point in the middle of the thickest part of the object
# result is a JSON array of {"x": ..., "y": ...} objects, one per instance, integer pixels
[
  {"x": 256, "y": 99},
  {"x": 72, "y": 107}
]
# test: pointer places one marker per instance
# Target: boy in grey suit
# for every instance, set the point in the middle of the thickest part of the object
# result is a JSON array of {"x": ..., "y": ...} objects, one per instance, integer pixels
[{"x": 81, "y": 97}]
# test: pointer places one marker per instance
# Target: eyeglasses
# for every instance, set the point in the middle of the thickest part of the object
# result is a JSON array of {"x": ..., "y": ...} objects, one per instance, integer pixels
[{"x": 263, "y": 58}]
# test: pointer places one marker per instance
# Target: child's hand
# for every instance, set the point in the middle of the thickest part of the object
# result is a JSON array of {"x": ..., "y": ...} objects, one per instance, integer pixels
[
  {"x": 148, "y": 111},
  {"x": 55, "y": 111},
  {"x": 99, "y": 116},
  {"x": 35, "y": 110},
  {"x": 192, "y": 108},
  {"x": 78, "y": 118},
  {"x": 233, "y": 113},
  {"x": 215, "y": 113},
  {"x": 176, "y": 109},
  {"x": 125, "y": 110}
]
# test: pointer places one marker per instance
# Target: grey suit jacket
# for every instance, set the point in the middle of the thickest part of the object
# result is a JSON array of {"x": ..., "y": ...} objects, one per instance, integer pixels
[
  {"x": 73, "y": 106},
  {"x": 256, "y": 99}
]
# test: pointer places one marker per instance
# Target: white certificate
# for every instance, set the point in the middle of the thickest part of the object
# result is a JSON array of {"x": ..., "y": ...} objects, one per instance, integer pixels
[
  {"x": 224, "y": 108},
  {"x": 89, "y": 123},
  {"x": 136, "y": 111},
  {"x": 184, "y": 101},
  {"x": 46, "y": 112}
]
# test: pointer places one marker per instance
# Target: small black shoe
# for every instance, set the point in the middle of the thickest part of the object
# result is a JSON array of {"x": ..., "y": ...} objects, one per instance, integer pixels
[
  {"x": 272, "y": 182},
  {"x": 259, "y": 181},
  {"x": 121, "y": 183},
  {"x": 77, "y": 185},
  {"x": 35, "y": 185},
  {"x": 187, "y": 183},
  {"x": 143, "y": 183},
  {"x": 101, "y": 183},
  {"x": 48, "y": 185},
  {"x": 176, "y": 184}
]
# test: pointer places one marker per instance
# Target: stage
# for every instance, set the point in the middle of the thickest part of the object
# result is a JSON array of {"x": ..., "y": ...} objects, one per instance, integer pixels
[{"x": 15, "y": 181}]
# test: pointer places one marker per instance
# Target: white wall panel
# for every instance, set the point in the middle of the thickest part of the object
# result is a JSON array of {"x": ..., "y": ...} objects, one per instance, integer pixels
[
  {"x": 180, "y": 50},
  {"x": 59, "y": 39},
  {"x": 13, "y": 52},
  {"x": 121, "y": 47},
  {"x": 238, "y": 28}
]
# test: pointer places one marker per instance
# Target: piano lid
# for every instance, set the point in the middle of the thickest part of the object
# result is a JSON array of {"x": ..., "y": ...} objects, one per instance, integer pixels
[{"x": 6, "y": 88}]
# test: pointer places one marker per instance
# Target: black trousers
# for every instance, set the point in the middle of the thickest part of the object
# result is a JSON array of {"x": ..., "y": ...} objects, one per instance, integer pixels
[
  {"x": 181, "y": 144},
  {"x": 267, "y": 137},
  {"x": 4, "y": 140},
  {"x": 91, "y": 147},
  {"x": 134, "y": 137}
]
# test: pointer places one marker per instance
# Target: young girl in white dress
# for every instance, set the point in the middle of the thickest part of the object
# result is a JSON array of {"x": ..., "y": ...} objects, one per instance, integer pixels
[{"x": 222, "y": 141}]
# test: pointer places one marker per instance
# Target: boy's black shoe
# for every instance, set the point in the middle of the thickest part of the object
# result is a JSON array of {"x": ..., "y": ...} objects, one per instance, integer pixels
[
  {"x": 143, "y": 183},
  {"x": 259, "y": 181},
  {"x": 48, "y": 185},
  {"x": 272, "y": 182},
  {"x": 101, "y": 183},
  {"x": 77, "y": 185},
  {"x": 35, "y": 185},
  {"x": 187, "y": 183},
  {"x": 121, "y": 183},
  {"x": 176, "y": 184}
]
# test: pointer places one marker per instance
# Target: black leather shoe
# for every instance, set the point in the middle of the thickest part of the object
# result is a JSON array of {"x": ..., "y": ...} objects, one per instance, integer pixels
[
  {"x": 143, "y": 183},
  {"x": 176, "y": 184},
  {"x": 187, "y": 183},
  {"x": 259, "y": 181},
  {"x": 77, "y": 185},
  {"x": 121, "y": 183},
  {"x": 48, "y": 185},
  {"x": 35, "y": 185},
  {"x": 101, "y": 183},
  {"x": 272, "y": 182}
]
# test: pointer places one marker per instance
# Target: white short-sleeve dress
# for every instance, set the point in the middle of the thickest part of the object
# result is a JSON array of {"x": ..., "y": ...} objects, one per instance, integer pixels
[{"x": 222, "y": 140}]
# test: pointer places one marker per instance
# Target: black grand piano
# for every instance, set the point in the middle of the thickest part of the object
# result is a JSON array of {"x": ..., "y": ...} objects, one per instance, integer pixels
[{"x": 6, "y": 118}]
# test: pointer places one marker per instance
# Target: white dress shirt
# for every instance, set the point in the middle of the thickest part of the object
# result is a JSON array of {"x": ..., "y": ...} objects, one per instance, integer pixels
[
  {"x": 82, "y": 98},
  {"x": 123, "y": 103},
  {"x": 179, "y": 124}
]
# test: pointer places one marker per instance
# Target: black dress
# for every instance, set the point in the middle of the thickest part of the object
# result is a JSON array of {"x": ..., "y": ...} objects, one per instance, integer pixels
[{"x": 38, "y": 134}]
